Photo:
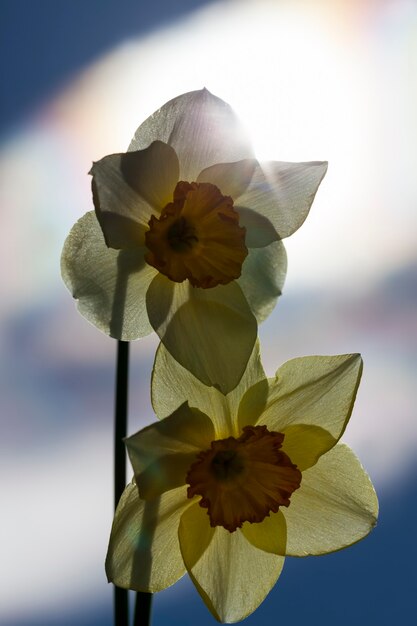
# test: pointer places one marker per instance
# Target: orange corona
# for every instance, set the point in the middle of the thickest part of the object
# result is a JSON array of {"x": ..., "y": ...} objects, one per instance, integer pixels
[
  {"x": 243, "y": 479},
  {"x": 197, "y": 237}
]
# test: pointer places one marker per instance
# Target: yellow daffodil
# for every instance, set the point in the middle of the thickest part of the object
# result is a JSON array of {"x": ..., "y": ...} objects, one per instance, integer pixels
[
  {"x": 186, "y": 237},
  {"x": 227, "y": 485}
]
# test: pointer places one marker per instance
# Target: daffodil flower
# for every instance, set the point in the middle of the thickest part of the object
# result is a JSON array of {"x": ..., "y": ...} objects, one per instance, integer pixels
[
  {"x": 227, "y": 485},
  {"x": 186, "y": 237}
]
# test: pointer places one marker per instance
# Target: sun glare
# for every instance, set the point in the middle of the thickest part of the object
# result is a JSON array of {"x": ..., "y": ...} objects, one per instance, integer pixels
[{"x": 305, "y": 87}]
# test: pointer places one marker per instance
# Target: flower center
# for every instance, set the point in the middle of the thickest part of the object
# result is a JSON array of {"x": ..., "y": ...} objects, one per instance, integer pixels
[
  {"x": 197, "y": 237},
  {"x": 181, "y": 235},
  {"x": 243, "y": 479}
]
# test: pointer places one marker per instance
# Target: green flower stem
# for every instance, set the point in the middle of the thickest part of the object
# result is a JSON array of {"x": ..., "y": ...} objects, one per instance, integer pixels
[
  {"x": 121, "y": 608},
  {"x": 143, "y": 609}
]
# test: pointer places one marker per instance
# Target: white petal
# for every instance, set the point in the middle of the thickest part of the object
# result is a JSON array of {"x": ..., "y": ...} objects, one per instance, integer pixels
[
  {"x": 110, "y": 285},
  {"x": 263, "y": 276},
  {"x": 283, "y": 193},
  {"x": 202, "y": 129},
  {"x": 231, "y": 178},
  {"x": 129, "y": 188}
]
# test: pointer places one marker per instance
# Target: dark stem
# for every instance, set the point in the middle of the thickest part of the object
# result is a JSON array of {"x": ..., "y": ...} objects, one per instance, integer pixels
[
  {"x": 143, "y": 609},
  {"x": 121, "y": 613}
]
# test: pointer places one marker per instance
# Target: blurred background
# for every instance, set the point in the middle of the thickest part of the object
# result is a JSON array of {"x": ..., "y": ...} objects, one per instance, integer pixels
[{"x": 312, "y": 80}]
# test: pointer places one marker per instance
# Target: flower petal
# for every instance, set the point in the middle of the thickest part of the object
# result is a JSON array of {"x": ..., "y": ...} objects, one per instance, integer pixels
[
  {"x": 263, "y": 277},
  {"x": 232, "y": 576},
  {"x": 305, "y": 444},
  {"x": 231, "y": 178},
  {"x": 316, "y": 391},
  {"x": 129, "y": 188},
  {"x": 260, "y": 232},
  {"x": 172, "y": 385},
  {"x": 144, "y": 552},
  {"x": 335, "y": 506},
  {"x": 110, "y": 285},
  {"x": 269, "y": 535},
  {"x": 283, "y": 193},
  {"x": 162, "y": 453},
  {"x": 202, "y": 129},
  {"x": 211, "y": 332}
]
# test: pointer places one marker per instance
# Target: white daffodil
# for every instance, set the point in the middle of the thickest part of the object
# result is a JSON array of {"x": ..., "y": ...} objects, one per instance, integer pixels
[{"x": 186, "y": 237}]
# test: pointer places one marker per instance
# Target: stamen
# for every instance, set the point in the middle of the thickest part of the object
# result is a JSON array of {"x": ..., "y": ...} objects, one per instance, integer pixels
[
  {"x": 181, "y": 235},
  {"x": 243, "y": 479},
  {"x": 197, "y": 237}
]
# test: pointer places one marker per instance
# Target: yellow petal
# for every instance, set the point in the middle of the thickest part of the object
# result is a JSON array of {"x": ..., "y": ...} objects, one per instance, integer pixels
[
  {"x": 172, "y": 385},
  {"x": 144, "y": 553},
  {"x": 232, "y": 576},
  {"x": 335, "y": 506},
  {"x": 313, "y": 391},
  {"x": 304, "y": 444},
  {"x": 110, "y": 285},
  {"x": 283, "y": 193},
  {"x": 161, "y": 454},
  {"x": 202, "y": 129},
  {"x": 269, "y": 535},
  {"x": 211, "y": 332}
]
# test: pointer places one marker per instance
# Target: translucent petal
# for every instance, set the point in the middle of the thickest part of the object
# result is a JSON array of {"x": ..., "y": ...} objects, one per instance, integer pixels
[
  {"x": 231, "y": 178},
  {"x": 232, "y": 576},
  {"x": 312, "y": 391},
  {"x": 144, "y": 552},
  {"x": 110, "y": 285},
  {"x": 162, "y": 453},
  {"x": 269, "y": 535},
  {"x": 335, "y": 506},
  {"x": 305, "y": 444},
  {"x": 129, "y": 188},
  {"x": 283, "y": 193},
  {"x": 172, "y": 385},
  {"x": 263, "y": 277},
  {"x": 201, "y": 128},
  {"x": 260, "y": 231},
  {"x": 211, "y": 332}
]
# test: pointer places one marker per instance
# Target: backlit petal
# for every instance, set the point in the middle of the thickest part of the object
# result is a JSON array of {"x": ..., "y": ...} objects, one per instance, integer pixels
[
  {"x": 305, "y": 444},
  {"x": 144, "y": 553},
  {"x": 263, "y": 277},
  {"x": 129, "y": 188},
  {"x": 269, "y": 535},
  {"x": 110, "y": 285},
  {"x": 335, "y": 506},
  {"x": 211, "y": 332},
  {"x": 283, "y": 193},
  {"x": 172, "y": 385},
  {"x": 231, "y": 178},
  {"x": 314, "y": 391},
  {"x": 162, "y": 453},
  {"x": 260, "y": 231},
  {"x": 232, "y": 576},
  {"x": 202, "y": 129}
]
